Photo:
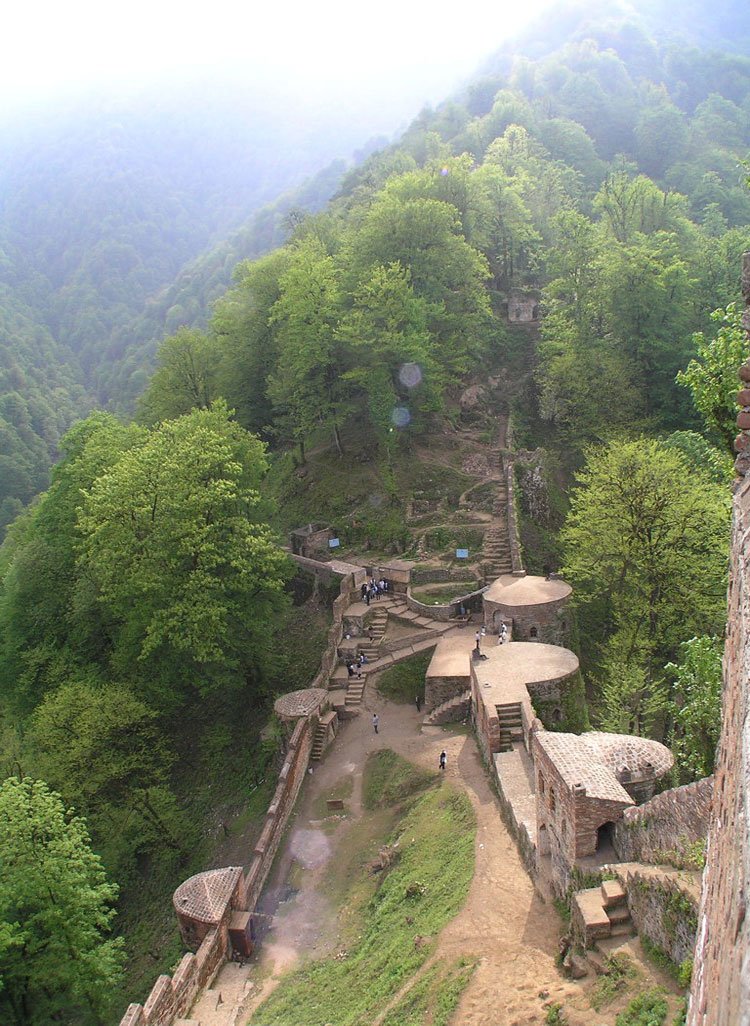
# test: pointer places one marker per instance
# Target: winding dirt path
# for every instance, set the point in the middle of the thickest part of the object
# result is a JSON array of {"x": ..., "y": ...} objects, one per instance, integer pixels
[{"x": 504, "y": 924}]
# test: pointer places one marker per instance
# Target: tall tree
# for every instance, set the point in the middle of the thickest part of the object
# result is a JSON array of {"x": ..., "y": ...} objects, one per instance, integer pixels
[
  {"x": 712, "y": 375},
  {"x": 173, "y": 542},
  {"x": 55, "y": 912},
  {"x": 306, "y": 387},
  {"x": 645, "y": 548}
]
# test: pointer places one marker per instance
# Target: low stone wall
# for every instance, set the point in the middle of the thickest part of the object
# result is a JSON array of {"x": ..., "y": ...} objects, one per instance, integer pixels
[
  {"x": 667, "y": 829},
  {"x": 665, "y": 911},
  {"x": 447, "y": 611},
  {"x": 440, "y": 689},
  {"x": 443, "y": 613},
  {"x": 172, "y": 996}
]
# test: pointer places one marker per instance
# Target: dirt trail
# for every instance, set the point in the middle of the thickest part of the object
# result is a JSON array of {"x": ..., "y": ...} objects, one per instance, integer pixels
[{"x": 504, "y": 923}]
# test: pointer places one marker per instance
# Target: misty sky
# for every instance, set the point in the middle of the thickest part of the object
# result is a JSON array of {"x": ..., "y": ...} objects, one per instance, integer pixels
[{"x": 389, "y": 55}]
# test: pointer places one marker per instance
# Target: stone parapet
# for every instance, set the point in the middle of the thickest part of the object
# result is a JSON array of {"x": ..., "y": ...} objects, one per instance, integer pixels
[
  {"x": 668, "y": 828},
  {"x": 663, "y": 905},
  {"x": 720, "y": 991}
]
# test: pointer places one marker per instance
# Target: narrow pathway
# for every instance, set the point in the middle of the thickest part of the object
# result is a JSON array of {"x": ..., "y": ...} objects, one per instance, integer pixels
[{"x": 504, "y": 924}]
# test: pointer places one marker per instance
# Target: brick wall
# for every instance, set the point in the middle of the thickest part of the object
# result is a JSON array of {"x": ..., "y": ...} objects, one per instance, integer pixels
[
  {"x": 171, "y": 997},
  {"x": 439, "y": 689},
  {"x": 665, "y": 912},
  {"x": 720, "y": 990},
  {"x": 668, "y": 828}
]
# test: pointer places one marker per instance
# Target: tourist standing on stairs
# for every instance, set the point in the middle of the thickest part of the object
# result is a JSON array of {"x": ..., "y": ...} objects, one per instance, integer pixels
[{"x": 375, "y": 722}]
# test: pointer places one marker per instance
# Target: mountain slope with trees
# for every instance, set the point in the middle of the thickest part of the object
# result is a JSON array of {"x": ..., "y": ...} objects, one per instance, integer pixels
[{"x": 144, "y": 592}]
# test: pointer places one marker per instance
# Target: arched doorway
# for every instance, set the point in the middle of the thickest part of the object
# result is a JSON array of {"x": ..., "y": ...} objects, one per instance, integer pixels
[{"x": 604, "y": 837}]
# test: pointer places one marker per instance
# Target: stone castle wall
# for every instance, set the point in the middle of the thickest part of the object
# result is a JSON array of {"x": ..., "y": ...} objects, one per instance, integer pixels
[
  {"x": 172, "y": 996},
  {"x": 668, "y": 828},
  {"x": 720, "y": 992},
  {"x": 665, "y": 911}
]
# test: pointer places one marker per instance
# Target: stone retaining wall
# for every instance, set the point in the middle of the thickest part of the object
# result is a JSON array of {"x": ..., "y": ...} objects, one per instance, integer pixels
[
  {"x": 172, "y": 996},
  {"x": 720, "y": 990},
  {"x": 667, "y": 829},
  {"x": 440, "y": 689},
  {"x": 447, "y": 611},
  {"x": 665, "y": 912}
]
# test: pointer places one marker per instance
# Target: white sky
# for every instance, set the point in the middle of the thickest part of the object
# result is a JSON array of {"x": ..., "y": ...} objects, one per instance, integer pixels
[{"x": 411, "y": 49}]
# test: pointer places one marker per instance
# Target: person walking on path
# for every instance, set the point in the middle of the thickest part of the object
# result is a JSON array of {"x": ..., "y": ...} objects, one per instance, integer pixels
[
  {"x": 478, "y": 638},
  {"x": 375, "y": 722},
  {"x": 501, "y": 638},
  {"x": 443, "y": 759},
  {"x": 418, "y": 701}
]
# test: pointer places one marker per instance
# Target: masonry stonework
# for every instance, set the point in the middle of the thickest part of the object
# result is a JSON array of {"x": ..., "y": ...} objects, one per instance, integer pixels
[
  {"x": 668, "y": 828},
  {"x": 720, "y": 992}
]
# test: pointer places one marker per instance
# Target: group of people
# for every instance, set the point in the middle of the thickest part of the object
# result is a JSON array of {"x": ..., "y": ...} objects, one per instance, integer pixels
[{"x": 373, "y": 589}]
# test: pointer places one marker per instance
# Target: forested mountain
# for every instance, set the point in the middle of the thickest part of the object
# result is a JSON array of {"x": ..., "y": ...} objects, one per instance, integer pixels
[
  {"x": 596, "y": 176},
  {"x": 103, "y": 210}
]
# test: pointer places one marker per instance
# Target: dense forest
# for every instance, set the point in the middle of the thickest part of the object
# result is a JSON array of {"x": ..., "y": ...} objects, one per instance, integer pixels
[
  {"x": 144, "y": 593},
  {"x": 119, "y": 221}
]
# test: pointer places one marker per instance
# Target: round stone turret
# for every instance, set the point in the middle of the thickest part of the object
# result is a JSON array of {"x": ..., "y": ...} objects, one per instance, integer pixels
[{"x": 534, "y": 608}]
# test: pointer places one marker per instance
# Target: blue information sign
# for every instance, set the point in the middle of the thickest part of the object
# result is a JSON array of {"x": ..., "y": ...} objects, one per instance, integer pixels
[
  {"x": 462, "y": 553},
  {"x": 333, "y": 543}
]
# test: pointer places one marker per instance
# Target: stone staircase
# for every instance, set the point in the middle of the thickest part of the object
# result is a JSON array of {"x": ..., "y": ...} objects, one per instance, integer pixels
[
  {"x": 318, "y": 742},
  {"x": 452, "y": 711},
  {"x": 496, "y": 558},
  {"x": 602, "y": 912},
  {"x": 370, "y": 646},
  {"x": 511, "y": 725}
]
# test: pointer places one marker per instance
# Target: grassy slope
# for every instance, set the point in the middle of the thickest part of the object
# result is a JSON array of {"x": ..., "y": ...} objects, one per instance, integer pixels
[{"x": 422, "y": 891}]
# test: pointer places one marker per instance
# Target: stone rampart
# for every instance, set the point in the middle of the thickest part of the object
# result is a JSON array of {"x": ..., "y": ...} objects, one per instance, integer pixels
[
  {"x": 667, "y": 829},
  {"x": 664, "y": 909},
  {"x": 720, "y": 992},
  {"x": 171, "y": 997}
]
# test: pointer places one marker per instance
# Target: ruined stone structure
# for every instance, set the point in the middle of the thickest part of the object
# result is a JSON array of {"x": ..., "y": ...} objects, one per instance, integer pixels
[
  {"x": 668, "y": 828},
  {"x": 584, "y": 783},
  {"x": 523, "y": 308},
  {"x": 535, "y": 607},
  {"x": 311, "y": 540},
  {"x": 720, "y": 994}
]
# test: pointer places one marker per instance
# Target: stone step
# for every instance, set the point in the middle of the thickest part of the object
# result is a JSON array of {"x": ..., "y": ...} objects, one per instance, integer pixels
[
  {"x": 623, "y": 930},
  {"x": 618, "y": 915},
  {"x": 613, "y": 894}
]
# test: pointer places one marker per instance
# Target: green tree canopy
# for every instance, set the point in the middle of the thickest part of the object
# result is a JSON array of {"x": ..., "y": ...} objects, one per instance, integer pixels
[
  {"x": 172, "y": 540},
  {"x": 646, "y": 547},
  {"x": 697, "y": 697},
  {"x": 712, "y": 375},
  {"x": 55, "y": 912}
]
